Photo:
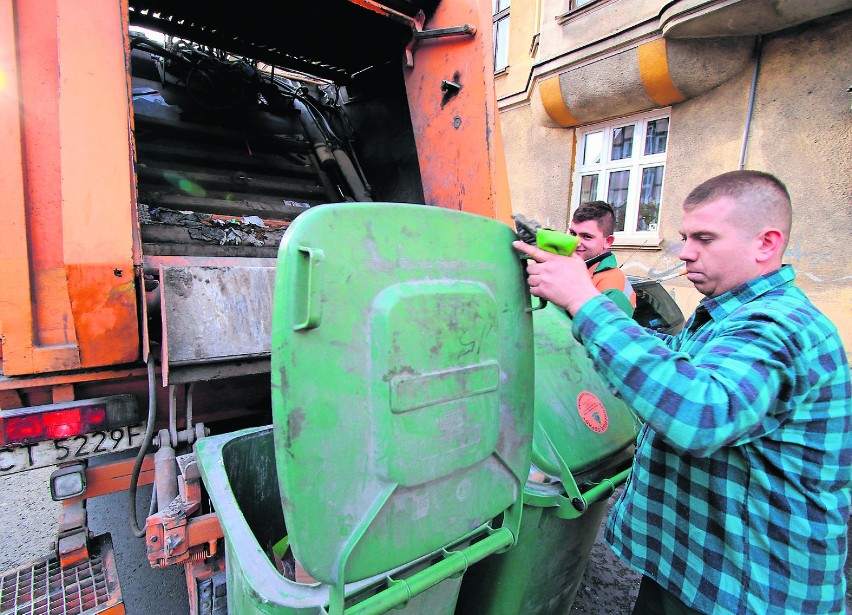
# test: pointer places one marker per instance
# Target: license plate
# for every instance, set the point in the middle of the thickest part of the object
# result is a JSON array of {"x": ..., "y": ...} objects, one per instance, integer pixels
[{"x": 21, "y": 457}]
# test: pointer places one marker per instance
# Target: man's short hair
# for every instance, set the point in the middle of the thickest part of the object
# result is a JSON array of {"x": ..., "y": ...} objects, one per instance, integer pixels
[
  {"x": 599, "y": 211},
  {"x": 762, "y": 199}
]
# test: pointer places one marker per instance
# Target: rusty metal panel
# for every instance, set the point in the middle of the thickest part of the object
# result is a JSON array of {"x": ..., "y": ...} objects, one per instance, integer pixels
[
  {"x": 215, "y": 313},
  {"x": 450, "y": 89}
]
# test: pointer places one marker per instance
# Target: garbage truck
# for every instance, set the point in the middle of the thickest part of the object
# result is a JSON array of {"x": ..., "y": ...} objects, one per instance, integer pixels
[{"x": 168, "y": 167}]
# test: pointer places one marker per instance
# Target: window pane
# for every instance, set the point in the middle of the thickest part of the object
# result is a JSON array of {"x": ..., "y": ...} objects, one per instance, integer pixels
[
  {"x": 622, "y": 142},
  {"x": 588, "y": 188},
  {"x": 617, "y": 195},
  {"x": 578, "y": 3},
  {"x": 501, "y": 44},
  {"x": 499, "y": 5},
  {"x": 649, "y": 199},
  {"x": 623, "y": 162},
  {"x": 656, "y": 137},
  {"x": 592, "y": 146}
]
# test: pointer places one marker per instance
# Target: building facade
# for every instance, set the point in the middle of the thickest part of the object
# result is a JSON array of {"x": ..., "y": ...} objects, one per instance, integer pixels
[{"x": 637, "y": 101}]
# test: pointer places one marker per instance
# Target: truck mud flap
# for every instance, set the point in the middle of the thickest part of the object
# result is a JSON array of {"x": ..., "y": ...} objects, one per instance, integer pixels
[{"x": 88, "y": 587}]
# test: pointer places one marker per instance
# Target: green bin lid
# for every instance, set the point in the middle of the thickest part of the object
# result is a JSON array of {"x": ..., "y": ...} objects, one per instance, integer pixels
[
  {"x": 579, "y": 423},
  {"x": 401, "y": 381}
]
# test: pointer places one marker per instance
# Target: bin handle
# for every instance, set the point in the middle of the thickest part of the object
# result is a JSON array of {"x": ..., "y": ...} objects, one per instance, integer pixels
[
  {"x": 307, "y": 287},
  {"x": 455, "y": 562},
  {"x": 575, "y": 502},
  {"x": 542, "y": 303},
  {"x": 570, "y": 508}
]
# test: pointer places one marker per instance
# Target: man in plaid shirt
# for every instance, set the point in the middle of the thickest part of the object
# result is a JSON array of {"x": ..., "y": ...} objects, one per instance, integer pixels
[{"x": 739, "y": 497}]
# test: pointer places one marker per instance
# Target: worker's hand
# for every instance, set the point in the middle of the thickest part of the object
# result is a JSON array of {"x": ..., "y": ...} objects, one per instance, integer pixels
[{"x": 563, "y": 280}]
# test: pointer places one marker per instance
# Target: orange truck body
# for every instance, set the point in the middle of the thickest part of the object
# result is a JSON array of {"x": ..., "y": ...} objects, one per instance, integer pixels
[{"x": 76, "y": 316}]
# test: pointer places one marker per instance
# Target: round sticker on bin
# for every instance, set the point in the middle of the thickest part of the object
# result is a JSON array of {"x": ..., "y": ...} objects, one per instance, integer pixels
[{"x": 592, "y": 411}]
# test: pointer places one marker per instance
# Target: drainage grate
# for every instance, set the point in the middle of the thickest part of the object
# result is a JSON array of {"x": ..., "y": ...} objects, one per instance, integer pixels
[{"x": 43, "y": 587}]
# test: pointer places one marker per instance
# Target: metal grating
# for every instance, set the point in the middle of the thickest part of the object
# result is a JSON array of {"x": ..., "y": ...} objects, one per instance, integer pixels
[{"x": 43, "y": 587}]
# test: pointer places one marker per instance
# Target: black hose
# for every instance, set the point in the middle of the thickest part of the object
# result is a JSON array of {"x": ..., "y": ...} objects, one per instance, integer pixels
[
  {"x": 143, "y": 449},
  {"x": 144, "y": 44}
]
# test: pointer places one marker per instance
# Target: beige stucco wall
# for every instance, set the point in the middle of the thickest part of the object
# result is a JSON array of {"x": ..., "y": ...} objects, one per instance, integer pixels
[
  {"x": 539, "y": 160},
  {"x": 604, "y": 20},
  {"x": 524, "y": 27},
  {"x": 801, "y": 131},
  {"x": 803, "y": 88}
]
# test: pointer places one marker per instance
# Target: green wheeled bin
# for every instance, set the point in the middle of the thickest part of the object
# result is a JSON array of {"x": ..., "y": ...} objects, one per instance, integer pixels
[
  {"x": 240, "y": 476},
  {"x": 583, "y": 446},
  {"x": 402, "y": 428}
]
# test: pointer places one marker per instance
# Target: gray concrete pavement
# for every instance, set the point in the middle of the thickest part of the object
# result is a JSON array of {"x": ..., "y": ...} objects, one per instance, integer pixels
[
  {"x": 608, "y": 587},
  {"x": 28, "y": 517},
  {"x": 28, "y": 522},
  {"x": 146, "y": 591}
]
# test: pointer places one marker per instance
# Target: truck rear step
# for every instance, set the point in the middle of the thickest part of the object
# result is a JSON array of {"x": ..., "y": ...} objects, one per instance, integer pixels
[{"x": 44, "y": 587}]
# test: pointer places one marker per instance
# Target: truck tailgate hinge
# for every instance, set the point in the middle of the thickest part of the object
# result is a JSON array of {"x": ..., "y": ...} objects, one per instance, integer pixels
[
  {"x": 178, "y": 535},
  {"x": 416, "y": 24}
]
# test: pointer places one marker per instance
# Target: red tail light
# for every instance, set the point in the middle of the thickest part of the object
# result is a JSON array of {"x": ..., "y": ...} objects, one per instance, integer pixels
[
  {"x": 54, "y": 421},
  {"x": 23, "y": 429}
]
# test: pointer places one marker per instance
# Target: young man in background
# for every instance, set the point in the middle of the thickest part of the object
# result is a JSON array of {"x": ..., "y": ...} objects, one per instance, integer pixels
[{"x": 593, "y": 224}]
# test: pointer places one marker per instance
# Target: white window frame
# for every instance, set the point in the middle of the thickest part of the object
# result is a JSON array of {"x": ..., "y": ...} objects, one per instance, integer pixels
[
  {"x": 501, "y": 21},
  {"x": 630, "y": 236}
]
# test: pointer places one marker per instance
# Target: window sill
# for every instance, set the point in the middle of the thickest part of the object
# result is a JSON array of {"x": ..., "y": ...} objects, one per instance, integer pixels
[
  {"x": 589, "y": 7},
  {"x": 638, "y": 242},
  {"x": 501, "y": 72}
]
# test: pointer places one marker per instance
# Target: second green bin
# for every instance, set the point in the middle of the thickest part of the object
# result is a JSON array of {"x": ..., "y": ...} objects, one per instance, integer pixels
[{"x": 582, "y": 449}]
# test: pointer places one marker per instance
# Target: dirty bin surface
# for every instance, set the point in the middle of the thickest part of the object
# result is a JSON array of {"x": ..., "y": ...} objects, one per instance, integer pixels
[{"x": 401, "y": 380}]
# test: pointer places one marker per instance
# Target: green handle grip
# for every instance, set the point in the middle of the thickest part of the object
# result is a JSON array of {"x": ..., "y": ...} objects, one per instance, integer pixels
[
  {"x": 400, "y": 592},
  {"x": 556, "y": 242},
  {"x": 306, "y": 288},
  {"x": 553, "y": 242}
]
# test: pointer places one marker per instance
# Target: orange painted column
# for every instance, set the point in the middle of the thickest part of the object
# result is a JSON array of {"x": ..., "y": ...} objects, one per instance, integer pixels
[
  {"x": 67, "y": 291},
  {"x": 97, "y": 180},
  {"x": 459, "y": 142}
]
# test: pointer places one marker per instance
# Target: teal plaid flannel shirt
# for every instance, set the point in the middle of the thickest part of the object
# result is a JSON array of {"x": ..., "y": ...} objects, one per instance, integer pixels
[{"x": 740, "y": 490}]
